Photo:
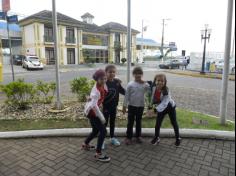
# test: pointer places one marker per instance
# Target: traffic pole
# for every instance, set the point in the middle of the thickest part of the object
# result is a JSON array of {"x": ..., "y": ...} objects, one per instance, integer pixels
[
  {"x": 225, "y": 81},
  {"x": 59, "y": 104},
  {"x": 129, "y": 55}
]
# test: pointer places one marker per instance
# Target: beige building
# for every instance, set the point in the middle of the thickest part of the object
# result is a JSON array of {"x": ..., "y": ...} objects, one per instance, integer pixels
[{"x": 79, "y": 41}]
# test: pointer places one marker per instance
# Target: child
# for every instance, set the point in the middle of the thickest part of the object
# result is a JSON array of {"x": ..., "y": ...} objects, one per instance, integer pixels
[
  {"x": 95, "y": 115},
  {"x": 111, "y": 101},
  {"x": 134, "y": 99},
  {"x": 164, "y": 105}
]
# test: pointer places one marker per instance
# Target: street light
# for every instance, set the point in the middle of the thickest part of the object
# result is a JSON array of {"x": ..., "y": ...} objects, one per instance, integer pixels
[
  {"x": 144, "y": 29},
  {"x": 205, "y": 35},
  {"x": 162, "y": 40}
]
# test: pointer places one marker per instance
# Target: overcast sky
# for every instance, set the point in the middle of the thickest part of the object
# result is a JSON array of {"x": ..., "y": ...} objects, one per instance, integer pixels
[{"x": 187, "y": 17}]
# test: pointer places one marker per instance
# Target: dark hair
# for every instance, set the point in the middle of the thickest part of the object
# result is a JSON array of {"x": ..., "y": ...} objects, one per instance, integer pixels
[
  {"x": 138, "y": 70},
  {"x": 99, "y": 74},
  {"x": 109, "y": 67},
  {"x": 165, "y": 89}
]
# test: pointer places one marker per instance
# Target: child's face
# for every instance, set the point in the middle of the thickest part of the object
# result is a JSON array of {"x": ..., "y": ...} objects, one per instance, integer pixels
[
  {"x": 111, "y": 73},
  {"x": 138, "y": 77},
  {"x": 102, "y": 81},
  {"x": 160, "y": 82}
]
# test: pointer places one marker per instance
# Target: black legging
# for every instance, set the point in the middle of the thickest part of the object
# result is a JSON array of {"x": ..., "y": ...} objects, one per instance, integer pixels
[
  {"x": 171, "y": 111},
  {"x": 110, "y": 116},
  {"x": 134, "y": 114},
  {"x": 97, "y": 127}
]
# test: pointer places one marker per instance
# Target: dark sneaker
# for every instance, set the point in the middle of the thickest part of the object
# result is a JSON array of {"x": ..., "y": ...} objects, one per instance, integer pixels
[
  {"x": 139, "y": 140},
  {"x": 88, "y": 147},
  {"x": 102, "y": 158},
  {"x": 178, "y": 142},
  {"x": 155, "y": 141},
  {"x": 128, "y": 141}
]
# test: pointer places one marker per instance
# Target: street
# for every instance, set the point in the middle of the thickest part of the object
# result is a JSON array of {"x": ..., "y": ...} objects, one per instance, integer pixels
[{"x": 196, "y": 94}]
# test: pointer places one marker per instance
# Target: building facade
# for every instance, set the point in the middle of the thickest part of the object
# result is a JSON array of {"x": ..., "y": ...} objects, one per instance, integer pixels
[{"x": 79, "y": 41}]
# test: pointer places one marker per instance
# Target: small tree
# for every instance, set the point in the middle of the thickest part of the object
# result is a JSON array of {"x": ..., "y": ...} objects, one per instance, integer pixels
[
  {"x": 82, "y": 87},
  {"x": 45, "y": 91},
  {"x": 19, "y": 94}
]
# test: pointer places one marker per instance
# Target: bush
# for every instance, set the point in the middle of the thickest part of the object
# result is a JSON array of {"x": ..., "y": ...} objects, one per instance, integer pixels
[
  {"x": 123, "y": 60},
  {"x": 82, "y": 87},
  {"x": 20, "y": 95},
  {"x": 45, "y": 92}
]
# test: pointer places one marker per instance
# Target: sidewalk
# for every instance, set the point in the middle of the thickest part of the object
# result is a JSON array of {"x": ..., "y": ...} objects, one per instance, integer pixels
[
  {"x": 62, "y": 156},
  {"x": 197, "y": 74}
]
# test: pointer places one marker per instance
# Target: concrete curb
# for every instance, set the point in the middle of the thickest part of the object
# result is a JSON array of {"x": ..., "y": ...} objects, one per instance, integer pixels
[{"x": 121, "y": 132}]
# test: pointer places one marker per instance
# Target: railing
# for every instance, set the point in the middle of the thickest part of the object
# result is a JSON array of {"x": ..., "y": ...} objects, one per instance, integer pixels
[
  {"x": 49, "y": 39},
  {"x": 71, "y": 40}
]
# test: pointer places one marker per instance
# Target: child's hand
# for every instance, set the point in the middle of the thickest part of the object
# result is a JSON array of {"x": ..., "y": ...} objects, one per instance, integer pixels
[
  {"x": 124, "y": 110},
  {"x": 88, "y": 99},
  {"x": 117, "y": 79}
]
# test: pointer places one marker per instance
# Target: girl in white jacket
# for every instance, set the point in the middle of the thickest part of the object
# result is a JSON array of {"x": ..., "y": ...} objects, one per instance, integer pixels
[
  {"x": 164, "y": 105},
  {"x": 95, "y": 116}
]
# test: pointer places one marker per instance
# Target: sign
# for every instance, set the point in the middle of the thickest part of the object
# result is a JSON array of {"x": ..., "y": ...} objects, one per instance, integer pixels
[
  {"x": 172, "y": 44},
  {"x": 12, "y": 19},
  {"x": 2, "y": 15},
  {"x": 6, "y": 5}
]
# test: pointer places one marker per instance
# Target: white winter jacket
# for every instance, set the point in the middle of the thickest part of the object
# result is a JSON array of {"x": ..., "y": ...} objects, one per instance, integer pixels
[{"x": 93, "y": 103}]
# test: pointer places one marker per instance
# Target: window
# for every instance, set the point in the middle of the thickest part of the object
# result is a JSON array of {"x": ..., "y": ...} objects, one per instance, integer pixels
[
  {"x": 48, "y": 34},
  {"x": 70, "y": 35},
  {"x": 70, "y": 56},
  {"x": 50, "y": 56}
]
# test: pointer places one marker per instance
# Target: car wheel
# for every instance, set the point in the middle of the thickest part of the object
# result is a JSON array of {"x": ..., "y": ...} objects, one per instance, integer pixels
[{"x": 27, "y": 68}]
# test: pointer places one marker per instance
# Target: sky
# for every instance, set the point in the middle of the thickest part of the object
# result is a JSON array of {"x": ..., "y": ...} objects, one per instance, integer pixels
[{"x": 187, "y": 17}]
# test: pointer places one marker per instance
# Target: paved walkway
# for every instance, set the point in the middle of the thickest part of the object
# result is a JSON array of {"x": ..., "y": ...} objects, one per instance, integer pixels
[{"x": 63, "y": 157}]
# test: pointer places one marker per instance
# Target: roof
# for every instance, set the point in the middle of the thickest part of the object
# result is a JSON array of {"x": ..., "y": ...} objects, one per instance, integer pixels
[
  {"x": 12, "y": 27},
  {"x": 46, "y": 15},
  {"x": 150, "y": 42},
  {"x": 112, "y": 26},
  {"x": 87, "y": 15}
]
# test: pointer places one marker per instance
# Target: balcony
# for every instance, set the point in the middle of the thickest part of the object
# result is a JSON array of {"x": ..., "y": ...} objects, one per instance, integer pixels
[
  {"x": 48, "y": 39},
  {"x": 70, "y": 40}
]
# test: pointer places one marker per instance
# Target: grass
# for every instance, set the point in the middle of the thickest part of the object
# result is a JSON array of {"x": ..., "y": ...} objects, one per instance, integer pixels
[{"x": 184, "y": 119}]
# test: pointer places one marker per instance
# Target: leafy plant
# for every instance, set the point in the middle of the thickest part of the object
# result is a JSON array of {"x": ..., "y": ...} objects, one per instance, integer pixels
[
  {"x": 20, "y": 95},
  {"x": 82, "y": 87},
  {"x": 123, "y": 60},
  {"x": 45, "y": 91}
]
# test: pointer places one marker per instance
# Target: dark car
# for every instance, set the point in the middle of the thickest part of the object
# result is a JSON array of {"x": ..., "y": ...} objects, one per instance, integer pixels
[
  {"x": 17, "y": 59},
  {"x": 175, "y": 63}
]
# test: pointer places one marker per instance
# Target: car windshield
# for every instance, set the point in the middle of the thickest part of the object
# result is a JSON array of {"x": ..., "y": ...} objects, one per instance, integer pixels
[{"x": 33, "y": 59}]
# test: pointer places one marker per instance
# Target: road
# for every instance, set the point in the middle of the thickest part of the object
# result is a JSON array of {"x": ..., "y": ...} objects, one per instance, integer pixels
[{"x": 196, "y": 94}]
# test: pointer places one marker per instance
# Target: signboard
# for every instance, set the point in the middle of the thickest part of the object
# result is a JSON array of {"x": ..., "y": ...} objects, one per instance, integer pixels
[
  {"x": 6, "y": 5},
  {"x": 2, "y": 15},
  {"x": 94, "y": 40},
  {"x": 12, "y": 19}
]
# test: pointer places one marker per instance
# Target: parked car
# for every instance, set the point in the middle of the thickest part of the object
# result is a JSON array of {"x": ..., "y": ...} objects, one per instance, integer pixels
[
  {"x": 174, "y": 63},
  {"x": 220, "y": 66},
  {"x": 17, "y": 59},
  {"x": 32, "y": 62}
]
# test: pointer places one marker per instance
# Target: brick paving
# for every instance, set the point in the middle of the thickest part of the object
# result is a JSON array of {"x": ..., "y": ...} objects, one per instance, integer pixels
[{"x": 63, "y": 157}]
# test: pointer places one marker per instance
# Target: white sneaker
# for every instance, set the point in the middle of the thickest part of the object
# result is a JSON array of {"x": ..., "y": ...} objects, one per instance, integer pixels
[{"x": 115, "y": 142}]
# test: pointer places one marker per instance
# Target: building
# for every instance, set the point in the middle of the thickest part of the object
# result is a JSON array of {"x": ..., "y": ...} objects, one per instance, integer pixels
[
  {"x": 16, "y": 40},
  {"x": 79, "y": 41}
]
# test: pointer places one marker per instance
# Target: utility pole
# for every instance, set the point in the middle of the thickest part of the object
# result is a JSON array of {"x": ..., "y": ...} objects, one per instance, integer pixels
[
  {"x": 59, "y": 104},
  {"x": 206, "y": 34},
  {"x": 162, "y": 39},
  {"x": 225, "y": 81},
  {"x": 10, "y": 48},
  {"x": 129, "y": 55},
  {"x": 142, "y": 40}
]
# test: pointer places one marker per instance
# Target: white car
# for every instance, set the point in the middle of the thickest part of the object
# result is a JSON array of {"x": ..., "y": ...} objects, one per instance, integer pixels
[
  {"x": 220, "y": 66},
  {"x": 32, "y": 62}
]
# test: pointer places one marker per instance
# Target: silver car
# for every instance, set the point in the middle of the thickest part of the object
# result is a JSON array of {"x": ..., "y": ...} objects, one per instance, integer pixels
[{"x": 32, "y": 62}]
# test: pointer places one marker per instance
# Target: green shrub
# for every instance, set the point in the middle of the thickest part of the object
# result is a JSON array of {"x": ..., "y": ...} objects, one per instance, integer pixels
[
  {"x": 82, "y": 87},
  {"x": 45, "y": 92},
  {"x": 123, "y": 60},
  {"x": 20, "y": 95}
]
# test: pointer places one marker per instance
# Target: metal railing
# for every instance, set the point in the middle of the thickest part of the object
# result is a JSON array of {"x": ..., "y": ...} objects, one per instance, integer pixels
[
  {"x": 71, "y": 40},
  {"x": 49, "y": 39}
]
